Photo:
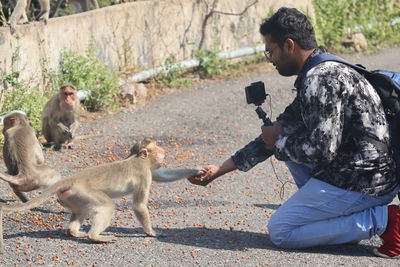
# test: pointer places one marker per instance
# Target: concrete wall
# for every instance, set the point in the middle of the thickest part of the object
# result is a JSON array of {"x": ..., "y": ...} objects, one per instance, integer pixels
[{"x": 140, "y": 34}]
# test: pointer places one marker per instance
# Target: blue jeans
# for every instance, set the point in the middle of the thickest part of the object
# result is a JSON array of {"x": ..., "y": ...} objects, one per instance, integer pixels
[{"x": 323, "y": 214}]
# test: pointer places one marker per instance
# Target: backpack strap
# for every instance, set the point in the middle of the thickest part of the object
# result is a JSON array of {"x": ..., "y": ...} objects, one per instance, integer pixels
[{"x": 317, "y": 59}]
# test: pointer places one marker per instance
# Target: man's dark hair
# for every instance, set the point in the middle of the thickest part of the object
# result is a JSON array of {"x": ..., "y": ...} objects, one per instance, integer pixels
[{"x": 289, "y": 23}]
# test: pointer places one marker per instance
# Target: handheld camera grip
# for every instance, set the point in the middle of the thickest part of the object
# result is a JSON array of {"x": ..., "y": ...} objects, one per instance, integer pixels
[{"x": 262, "y": 115}]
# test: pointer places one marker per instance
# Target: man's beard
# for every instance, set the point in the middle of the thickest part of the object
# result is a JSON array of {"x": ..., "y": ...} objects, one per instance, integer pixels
[
  {"x": 288, "y": 69},
  {"x": 287, "y": 72}
]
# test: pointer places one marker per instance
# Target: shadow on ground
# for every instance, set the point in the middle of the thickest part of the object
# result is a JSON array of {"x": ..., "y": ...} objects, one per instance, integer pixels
[{"x": 216, "y": 239}]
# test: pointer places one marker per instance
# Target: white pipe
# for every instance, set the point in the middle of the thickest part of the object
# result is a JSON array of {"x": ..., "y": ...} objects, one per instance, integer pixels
[{"x": 191, "y": 63}]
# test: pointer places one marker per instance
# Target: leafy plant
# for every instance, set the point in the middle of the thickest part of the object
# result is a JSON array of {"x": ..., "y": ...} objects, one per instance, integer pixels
[
  {"x": 87, "y": 72},
  {"x": 173, "y": 74},
  {"x": 210, "y": 63},
  {"x": 20, "y": 96},
  {"x": 374, "y": 18}
]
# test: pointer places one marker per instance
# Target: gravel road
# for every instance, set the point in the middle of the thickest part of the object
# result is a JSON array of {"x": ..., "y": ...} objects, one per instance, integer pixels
[{"x": 223, "y": 224}]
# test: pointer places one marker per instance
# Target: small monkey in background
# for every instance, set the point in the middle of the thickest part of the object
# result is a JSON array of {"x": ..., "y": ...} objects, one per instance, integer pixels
[
  {"x": 60, "y": 117},
  {"x": 23, "y": 157},
  {"x": 19, "y": 13},
  {"x": 89, "y": 192}
]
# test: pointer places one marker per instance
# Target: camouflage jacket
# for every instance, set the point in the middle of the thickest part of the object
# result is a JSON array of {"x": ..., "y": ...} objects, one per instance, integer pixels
[{"x": 326, "y": 124}]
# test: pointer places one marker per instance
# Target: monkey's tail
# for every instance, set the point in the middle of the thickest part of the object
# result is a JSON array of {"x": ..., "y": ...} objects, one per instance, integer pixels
[
  {"x": 163, "y": 175},
  {"x": 10, "y": 179},
  {"x": 34, "y": 202}
]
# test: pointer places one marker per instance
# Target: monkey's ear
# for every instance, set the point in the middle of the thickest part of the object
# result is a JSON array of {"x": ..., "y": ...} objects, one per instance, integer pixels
[
  {"x": 134, "y": 150},
  {"x": 143, "y": 153}
]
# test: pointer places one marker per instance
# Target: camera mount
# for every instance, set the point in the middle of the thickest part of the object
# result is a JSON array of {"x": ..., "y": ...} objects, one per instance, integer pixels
[{"x": 255, "y": 94}]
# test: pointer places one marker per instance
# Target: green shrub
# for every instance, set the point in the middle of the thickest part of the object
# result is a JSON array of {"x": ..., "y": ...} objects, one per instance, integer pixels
[
  {"x": 172, "y": 76},
  {"x": 22, "y": 97},
  {"x": 88, "y": 73},
  {"x": 374, "y": 18},
  {"x": 210, "y": 63}
]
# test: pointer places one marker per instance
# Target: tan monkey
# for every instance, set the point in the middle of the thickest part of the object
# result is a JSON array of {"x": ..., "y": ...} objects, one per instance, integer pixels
[
  {"x": 19, "y": 13},
  {"x": 60, "y": 117},
  {"x": 90, "y": 191},
  {"x": 23, "y": 157}
]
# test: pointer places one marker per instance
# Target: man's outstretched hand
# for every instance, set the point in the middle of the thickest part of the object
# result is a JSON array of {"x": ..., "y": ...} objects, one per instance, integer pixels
[{"x": 206, "y": 176}]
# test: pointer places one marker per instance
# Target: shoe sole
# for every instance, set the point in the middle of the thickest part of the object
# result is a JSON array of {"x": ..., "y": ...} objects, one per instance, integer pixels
[{"x": 377, "y": 253}]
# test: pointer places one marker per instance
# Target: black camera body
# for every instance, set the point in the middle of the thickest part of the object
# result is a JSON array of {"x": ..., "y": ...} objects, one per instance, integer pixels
[{"x": 255, "y": 94}]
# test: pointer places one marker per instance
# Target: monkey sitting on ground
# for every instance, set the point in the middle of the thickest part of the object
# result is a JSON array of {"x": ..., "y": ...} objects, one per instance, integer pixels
[
  {"x": 89, "y": 192},
  {"x": 23, "y": 157},
  {"x": 60, "y": 117}
]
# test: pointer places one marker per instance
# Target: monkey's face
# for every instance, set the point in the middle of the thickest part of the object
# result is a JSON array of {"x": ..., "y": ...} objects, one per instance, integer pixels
[
  {"x": 158, "y": 155},
  {"x": 67, "y": 98},
  {"x": 149, "y": 149}
]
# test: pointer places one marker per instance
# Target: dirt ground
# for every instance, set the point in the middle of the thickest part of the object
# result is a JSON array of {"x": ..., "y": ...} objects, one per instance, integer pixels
[{"x": 223, "y": 224}]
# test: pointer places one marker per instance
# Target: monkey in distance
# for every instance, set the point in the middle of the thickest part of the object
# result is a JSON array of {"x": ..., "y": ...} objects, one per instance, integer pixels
[
  {"x": 89, "y": 193},
  {"x": 60, "y": 117},
  {"x": 19, "y": 13},
  {"x": 23, "y": 157}
]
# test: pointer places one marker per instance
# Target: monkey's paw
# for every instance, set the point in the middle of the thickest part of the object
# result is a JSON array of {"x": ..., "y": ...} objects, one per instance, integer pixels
[
  {"x": 57, "y": 147},
  {"x": 77, "y": 234},
  {"x": 68, "y": 146},
  {"x": 151, "y": 233},
  {"x": 67, "y": 134}
]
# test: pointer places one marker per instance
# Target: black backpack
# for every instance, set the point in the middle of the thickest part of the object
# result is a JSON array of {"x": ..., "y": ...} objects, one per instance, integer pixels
[{"x": 387, "y": 85}]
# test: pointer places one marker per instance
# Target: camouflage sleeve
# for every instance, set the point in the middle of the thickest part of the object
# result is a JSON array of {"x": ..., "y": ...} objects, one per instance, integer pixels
[{"x": 250, "y": 155}]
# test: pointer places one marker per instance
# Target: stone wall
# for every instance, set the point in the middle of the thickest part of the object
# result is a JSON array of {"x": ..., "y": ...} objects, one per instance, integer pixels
[{"x": 140, "y": 34}]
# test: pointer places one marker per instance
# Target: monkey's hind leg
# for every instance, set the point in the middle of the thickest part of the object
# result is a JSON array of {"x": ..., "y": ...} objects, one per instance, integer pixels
[
  {"x": 103, "y": 208},
  {"x": 75, "y": 225},
  {"x": 78, "y": 208}
]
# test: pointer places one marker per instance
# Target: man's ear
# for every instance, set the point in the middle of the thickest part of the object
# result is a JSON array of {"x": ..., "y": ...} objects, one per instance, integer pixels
[
  {"x": 143, "y": 153},
  {"x": 290, "y": 45}
]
